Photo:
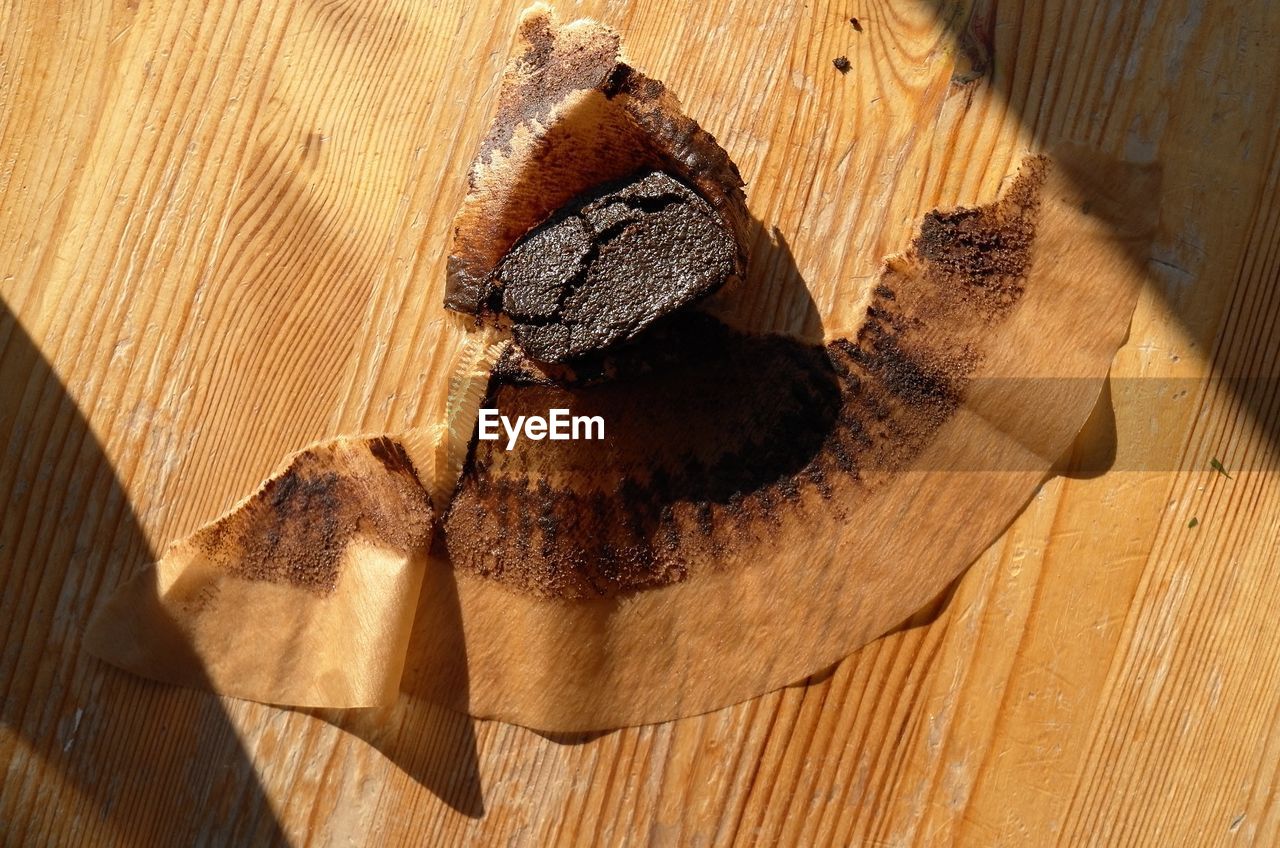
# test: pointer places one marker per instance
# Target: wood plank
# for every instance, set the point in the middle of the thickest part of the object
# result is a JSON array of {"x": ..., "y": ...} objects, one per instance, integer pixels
[{"x": 222, "y": 237}]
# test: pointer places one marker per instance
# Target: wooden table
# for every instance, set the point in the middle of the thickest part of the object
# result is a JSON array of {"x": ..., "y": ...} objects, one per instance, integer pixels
[{"x": 222, "y": 236}]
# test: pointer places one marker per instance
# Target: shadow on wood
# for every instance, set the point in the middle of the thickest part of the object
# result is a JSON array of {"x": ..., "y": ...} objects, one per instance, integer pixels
[
  {"x": 775, "y": 297},
  {"x": 973, "y": 27},
  {"x": 1094, "y": 451},
  {"x": 140, "y": 750},
  {"x": 428, "y": 734}
]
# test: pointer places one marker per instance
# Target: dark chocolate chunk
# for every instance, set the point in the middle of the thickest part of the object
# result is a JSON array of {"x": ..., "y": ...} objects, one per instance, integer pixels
[
  {"x": 610, "y": 264},
  {"x": 537, "y": 272}
]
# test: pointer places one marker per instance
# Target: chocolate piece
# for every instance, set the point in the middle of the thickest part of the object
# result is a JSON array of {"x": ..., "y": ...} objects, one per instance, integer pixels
[
  {"x": 611, "y": 264},
  {"x": 571, "y": 115}
]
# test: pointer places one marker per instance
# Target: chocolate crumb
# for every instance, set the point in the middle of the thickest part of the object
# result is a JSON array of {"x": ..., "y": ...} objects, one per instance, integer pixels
[
  {"x": 856, "y": 24},
  {"x": 609, "y": 265},
  {"x": 842, "y": 64}
]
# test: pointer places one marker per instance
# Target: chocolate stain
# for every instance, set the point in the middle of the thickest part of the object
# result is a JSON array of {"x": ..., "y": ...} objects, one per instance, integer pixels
[
  {"x": 711, "y": 433},
  {"x": 609, "y": 265},
  {"x": 590, "y": 66},
  {"x": 296, "y": 530}
]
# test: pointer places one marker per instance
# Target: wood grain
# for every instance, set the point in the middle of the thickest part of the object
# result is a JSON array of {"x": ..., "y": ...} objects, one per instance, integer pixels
[{"x": 222, "y": 231}]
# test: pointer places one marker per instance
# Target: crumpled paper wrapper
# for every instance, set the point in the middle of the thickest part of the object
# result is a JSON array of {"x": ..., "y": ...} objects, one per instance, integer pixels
[
  {"x": 320, "y": 590},
  {"x": 792, "y": 589},
  {"x": 303, "y": 594}
]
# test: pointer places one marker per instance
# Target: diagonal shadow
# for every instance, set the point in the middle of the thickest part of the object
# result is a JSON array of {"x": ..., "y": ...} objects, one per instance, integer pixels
[
  {"x": 972, "y": 26},
  {"x": 163, "y": 762},
  {"x": 428, "y": 733},
  {"x": 156, "y": 764}
]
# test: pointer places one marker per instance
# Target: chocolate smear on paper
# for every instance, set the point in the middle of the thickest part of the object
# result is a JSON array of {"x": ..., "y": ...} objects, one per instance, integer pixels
[
  {"x": 297, "y": 528},
  {"x": 710, "y": 432}
]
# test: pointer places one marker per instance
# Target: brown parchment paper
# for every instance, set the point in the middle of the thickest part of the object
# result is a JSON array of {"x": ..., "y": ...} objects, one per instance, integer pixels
[
  {"x": 303, "y": 594},
  {"x": 319, "y": 590},
  {"x": 834, "y": 574},
  {"x": 830, "y": 579}
]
